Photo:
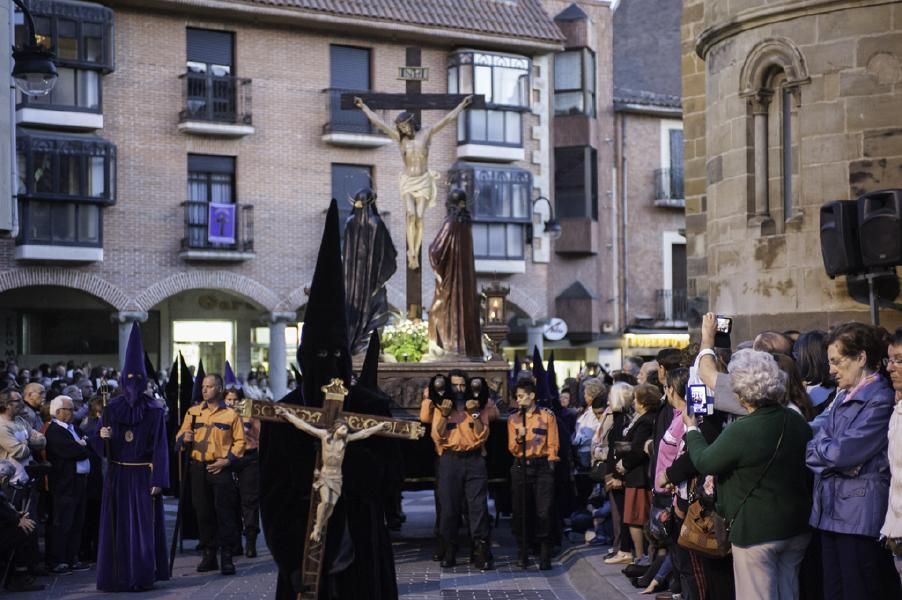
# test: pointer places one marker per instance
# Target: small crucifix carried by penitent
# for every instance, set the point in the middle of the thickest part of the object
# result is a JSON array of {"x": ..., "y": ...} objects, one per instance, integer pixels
[
  {"x": 418, "y": 185},
  {"x": 335, "y": 430}
]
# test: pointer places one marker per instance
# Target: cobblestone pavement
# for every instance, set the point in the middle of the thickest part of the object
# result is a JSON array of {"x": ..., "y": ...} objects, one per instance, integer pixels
[{"x": 578, "y": 569}]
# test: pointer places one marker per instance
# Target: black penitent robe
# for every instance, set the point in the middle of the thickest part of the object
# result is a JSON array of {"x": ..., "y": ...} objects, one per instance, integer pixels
[
  {"x": 358, "y": 564},
  {"x": 370, "y": 260}
]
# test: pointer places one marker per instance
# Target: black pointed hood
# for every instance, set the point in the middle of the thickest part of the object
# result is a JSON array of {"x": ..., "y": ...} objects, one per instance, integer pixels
[
  {"x": 196, "y": 395},
  {"x": 369, "y": 372},
  {"x": 324, "y": 351}
]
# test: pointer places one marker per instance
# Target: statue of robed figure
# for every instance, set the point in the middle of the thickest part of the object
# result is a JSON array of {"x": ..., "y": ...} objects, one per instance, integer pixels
[
  {"x": 454, "y": 317},
  {"x": 370, "y": 260}
]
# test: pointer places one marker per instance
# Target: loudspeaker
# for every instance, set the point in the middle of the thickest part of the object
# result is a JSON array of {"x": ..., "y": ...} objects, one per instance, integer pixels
[
  {"x": 880, "y": 228},
  {"x": 839, "y": 238}
]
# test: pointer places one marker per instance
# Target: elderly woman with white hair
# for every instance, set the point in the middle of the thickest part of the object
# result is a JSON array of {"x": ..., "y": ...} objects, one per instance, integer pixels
[{"x": 763, "y": 487}]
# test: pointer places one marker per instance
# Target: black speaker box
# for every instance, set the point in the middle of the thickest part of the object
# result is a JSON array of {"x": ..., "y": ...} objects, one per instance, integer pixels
[
  {"x": 880, "y": 228},
  {"x": 839, "y": 238}
]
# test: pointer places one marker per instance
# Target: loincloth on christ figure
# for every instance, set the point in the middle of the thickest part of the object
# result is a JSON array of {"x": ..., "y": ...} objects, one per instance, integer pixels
[
  {"x": 420, "y": 187},
  {"x": 330, "y": 478}
]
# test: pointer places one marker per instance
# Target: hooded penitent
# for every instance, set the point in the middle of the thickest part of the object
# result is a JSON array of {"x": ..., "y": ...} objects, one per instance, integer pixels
[
  {"x": 370, "y": 259},
  {"x": 197, "y": 395},
  {"x": 564, "y": 503},
  {"x": 230, "y": 382},
  {"x": 137, "y": 557},
  {"x": 358, "y": 561}
]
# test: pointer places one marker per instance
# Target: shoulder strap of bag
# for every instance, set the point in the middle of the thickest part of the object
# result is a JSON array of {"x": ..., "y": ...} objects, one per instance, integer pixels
[{"x": 763, "y": 473}]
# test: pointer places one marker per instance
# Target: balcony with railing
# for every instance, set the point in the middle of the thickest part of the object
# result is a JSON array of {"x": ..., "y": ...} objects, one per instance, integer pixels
[
  {"x": 218, "y": 232},
  {"x": 349, "y": 127},
  {"x": 669, "y": 188},
  {"x": 215, "y": 105},
  {"x": 672, "y": 306}
]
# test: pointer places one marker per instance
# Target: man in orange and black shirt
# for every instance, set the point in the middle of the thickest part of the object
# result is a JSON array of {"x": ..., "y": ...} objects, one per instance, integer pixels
[
  {"x": 218, "y": 440},
  {"x": 535, "y": 448},
  {"x": 460, "y": 428}
]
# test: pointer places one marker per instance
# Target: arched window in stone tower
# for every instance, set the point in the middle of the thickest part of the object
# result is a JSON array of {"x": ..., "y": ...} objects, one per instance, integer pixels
[{"x": 770, "y": 80}]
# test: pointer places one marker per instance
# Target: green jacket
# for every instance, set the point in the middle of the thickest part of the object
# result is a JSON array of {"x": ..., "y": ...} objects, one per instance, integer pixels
[{"x": 780, "y": 505}]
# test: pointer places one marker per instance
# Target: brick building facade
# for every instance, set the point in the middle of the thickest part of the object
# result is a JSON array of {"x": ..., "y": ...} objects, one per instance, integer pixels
[{"x": 172, "y": 106}]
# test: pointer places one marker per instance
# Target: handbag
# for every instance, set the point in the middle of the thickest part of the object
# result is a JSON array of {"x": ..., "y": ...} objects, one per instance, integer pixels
[
  {"x": 706, "y": 532},
  {"x": 598, "y": 471}
]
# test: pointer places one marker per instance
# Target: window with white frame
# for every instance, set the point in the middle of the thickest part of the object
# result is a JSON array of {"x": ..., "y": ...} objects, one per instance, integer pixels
[{"x": 504, "y": 81}]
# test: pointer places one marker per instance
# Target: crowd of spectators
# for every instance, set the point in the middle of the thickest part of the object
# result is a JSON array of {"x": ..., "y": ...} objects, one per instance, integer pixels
[
  {"x": 790, "y": 487},
  {"x": 51, "y": 479}
]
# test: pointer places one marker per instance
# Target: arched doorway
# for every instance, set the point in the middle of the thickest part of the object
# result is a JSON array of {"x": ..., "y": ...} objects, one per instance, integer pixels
[
  {"x": 215, "y": 325},
  {"x": 50, "y": 324}
]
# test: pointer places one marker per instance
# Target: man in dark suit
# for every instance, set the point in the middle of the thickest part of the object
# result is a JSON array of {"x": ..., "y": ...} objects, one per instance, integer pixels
[{"x": 67, "y": 451}]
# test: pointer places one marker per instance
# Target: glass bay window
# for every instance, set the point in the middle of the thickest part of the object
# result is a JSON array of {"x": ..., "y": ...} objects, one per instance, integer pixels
[
  {"x": 574, "y": 82},
  {"x": 63, "y": 182},
  {"x": 504, "y": 81},
  {"x": 81, "y": 36},
  {"x": 499, "y": 204}
]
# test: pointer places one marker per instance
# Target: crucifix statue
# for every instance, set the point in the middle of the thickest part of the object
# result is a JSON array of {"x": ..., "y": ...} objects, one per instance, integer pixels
[
  {"x": 418, "y": 185},
  {"x": 335, "y": 428},
  {"x": 327, "y": 478}
]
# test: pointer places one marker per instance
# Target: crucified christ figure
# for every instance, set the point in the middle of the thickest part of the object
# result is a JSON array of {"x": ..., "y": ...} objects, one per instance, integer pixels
[
  {"x": 327, "y": 479},
  {"x": 418, "y": 184}
]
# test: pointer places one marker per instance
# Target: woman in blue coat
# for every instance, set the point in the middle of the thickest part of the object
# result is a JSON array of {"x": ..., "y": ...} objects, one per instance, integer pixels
[{"x": 851, "y": 470}]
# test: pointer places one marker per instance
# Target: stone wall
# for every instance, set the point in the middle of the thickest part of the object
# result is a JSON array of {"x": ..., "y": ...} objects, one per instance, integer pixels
[{"x": 844, "y": 60}]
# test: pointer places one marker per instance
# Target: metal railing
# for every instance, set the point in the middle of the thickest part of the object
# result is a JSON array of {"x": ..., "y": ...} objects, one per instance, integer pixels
[
  {"x": 197, "y": 235},
  {"x": 673, "y": 305},
  {"x": 215, "y": 99},
  {"x": 669, "y": 184},
  {"x": 345, "y": 121}
]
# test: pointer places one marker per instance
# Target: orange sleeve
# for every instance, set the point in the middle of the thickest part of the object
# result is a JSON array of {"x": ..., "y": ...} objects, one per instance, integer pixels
[
  {"x": 554, "y": 443},
  {"x": 512, "y": 445},
  {"x": 426, "y": 410},
  {"x": 237, "y": 448},
  {"x": 186, "y": 425}
]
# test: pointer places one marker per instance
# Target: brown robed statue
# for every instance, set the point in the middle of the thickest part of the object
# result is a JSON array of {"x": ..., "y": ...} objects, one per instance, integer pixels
[{"x": 335, "y": 428}]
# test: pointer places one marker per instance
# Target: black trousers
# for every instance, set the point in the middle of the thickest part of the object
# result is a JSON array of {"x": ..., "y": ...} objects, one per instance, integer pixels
[
  {"x": 682, "y": 563},
  {"x": 247, "y": 472},
  {"x": 463, "y": 471},
  {"x": 538, "y": 478},
  {"x": 216, "y": 506},
  {"x": 68, "y": 520},
  {"x": 857, "y": 567}
]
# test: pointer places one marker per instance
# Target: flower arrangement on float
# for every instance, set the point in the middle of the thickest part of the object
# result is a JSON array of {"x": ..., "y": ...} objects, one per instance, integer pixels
[{"x": 405, "y": 340}]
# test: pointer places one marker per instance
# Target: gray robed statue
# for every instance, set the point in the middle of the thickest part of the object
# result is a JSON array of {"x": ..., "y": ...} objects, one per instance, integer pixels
[{"x": 370, "y": 260}]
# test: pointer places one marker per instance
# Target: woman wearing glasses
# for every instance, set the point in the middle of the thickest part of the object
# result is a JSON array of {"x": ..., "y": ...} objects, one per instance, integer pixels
[{"x": 851, "y": 470}]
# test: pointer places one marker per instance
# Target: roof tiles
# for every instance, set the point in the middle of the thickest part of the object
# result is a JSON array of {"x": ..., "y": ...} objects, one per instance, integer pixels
[{"x": 514, "y": 18}]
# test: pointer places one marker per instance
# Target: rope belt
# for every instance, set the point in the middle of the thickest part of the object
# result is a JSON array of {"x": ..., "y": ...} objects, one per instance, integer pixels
[{"x": 133, "y": 464}]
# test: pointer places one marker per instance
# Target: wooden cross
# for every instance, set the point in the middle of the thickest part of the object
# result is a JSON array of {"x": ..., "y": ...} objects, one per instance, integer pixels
[
  {"x": 414, "y": 101},
  {"x": 323, "y": 418}
]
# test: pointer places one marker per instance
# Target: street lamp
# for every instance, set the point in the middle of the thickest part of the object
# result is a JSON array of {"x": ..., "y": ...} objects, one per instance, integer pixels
[
  {"x": 34, "y": 72},
  {"x": 552, "y": 227},
  {"x": 495, "y": 317}
]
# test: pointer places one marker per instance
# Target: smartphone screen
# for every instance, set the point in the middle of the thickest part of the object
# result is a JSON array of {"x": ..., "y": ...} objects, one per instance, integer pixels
[
  {"x": 724, "y": 324},
  {"x": 698, "y": 400}
]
